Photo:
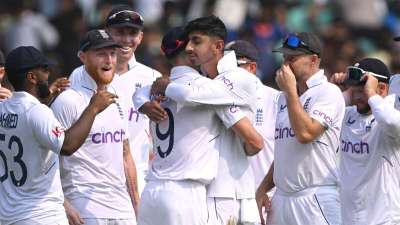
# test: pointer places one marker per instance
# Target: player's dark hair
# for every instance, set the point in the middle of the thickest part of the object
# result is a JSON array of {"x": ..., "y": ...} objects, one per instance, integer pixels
[{"x": 208, "y": 25}]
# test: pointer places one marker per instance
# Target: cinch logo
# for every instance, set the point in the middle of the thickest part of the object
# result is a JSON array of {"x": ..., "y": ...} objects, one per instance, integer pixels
[
  {"x": 285, "y": 132},
  {"x": 133, "y": 115},
  {"x": 226, "y": 81},
  {"x": 327, "y": 119},
  {"x": 108, "y": 137},
  {"x": 357, "y": 148}
]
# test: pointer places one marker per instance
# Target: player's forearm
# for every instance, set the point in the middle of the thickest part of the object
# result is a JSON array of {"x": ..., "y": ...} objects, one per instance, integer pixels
[
  {"x": 300, "y": 121},
  {"x": 210, "y": 93},
  {"x": 131, "y": 176},
  {"x": 253, "y": 141},
  {"x": 77, "y": 133},
  {"x": 268, "y": 182}
]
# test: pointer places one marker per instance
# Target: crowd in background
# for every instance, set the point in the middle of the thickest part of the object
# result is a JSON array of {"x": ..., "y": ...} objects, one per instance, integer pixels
[{"x": 350, "y": 29}]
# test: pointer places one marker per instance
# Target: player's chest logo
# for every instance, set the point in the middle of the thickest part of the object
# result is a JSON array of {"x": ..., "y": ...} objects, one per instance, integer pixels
[
  {"x": 350, "y": 121},
  {"x": 259, "y": 116},
  {"x": 306, "y": 105},
  {"x": 137, "y": 86},
  {"x": 282, "y": 108}
]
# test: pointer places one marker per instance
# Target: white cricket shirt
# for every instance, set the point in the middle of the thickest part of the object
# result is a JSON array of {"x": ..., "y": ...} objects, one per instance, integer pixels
[
  {"x": 30, "y": 141},
  {"x": 233, "y": 85},
  {"x": 264, "y": 122},
  {"x": 370, "y": 164},
  {"x": 299, "y": 166},
  {"x": 138, "y": 76},
  {"x": 184, "y": 144},
  {"x": 93, "y": 177}
]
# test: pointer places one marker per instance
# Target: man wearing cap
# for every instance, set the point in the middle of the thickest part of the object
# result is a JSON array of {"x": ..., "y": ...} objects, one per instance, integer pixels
[
  {"x": 125, "y": 27},
  {"x": 31, "y": 139},
  {"x": 105, "y": 188},
  {"x": 264, "y": 117},
  {"x": 231, "y": 193},
  {"x": 307, "y": 130},
  {"x": 370, "y": 148}
]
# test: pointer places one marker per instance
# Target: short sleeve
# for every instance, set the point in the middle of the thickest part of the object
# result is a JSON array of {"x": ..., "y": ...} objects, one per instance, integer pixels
[
  {"x": 46, "y": 128},
  {"x": 65, "y": 108},
  {"x": 328, "y": 108},
  {"x": 229, "y": 115}
]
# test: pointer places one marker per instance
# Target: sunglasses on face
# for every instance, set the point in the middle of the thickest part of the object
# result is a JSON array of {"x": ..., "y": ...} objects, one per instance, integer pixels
[
  {"x": 294, "y": 42},
  {"x": 128, "y": 16}
]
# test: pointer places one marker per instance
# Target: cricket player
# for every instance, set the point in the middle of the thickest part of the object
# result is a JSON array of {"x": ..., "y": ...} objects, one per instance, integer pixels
[
  {"x": 126, "y": 28},
  {"x": 231, "y": 193},
  {"x": 31, "y": 139},
  {"x": 185, "y": 157},
  {"x": 307, "y": 131},
  {"x": 99, "y": 181},
  {"x": 370, "y": 147}
]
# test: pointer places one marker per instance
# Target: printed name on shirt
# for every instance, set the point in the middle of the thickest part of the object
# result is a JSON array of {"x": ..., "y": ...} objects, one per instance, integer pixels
[
  {"x": 307, "y": 104},
  {"x": 226, "y": 81},
  {"x": 326, "y": 118},
  {"x": 355, "y": 147},
  {"x": 8, "y": 120},
  {"x": 108, "y": 137},
  {"x": 283, "y": 132}
]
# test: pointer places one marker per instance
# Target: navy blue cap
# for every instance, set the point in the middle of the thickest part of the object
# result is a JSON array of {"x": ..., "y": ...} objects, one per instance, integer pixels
[
  {"x": 95, "y": 39},
  {"x": 24, "y": 58},
  {"x": 173, "y": 42},
  {"x": 124, "y": 16},
  {"x": 243, "y": 49}
]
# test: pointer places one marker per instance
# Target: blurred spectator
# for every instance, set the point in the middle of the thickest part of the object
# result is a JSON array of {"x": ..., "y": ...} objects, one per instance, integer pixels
[{"x": 28, "y": 28}]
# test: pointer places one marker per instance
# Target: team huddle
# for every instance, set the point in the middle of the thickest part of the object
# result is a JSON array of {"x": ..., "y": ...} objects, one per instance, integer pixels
[{"x": 208, "y": 144}]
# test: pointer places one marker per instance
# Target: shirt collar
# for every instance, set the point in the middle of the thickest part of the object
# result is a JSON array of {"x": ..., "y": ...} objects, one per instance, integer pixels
[
  {"x": 132, "y": 62},
  {"x": 316, "y": 79},
  {"x": 179, "y": 71},
  {"x": 87, "y": 81},
  {"x": 16, "y": 95},
  {"x": 227, "y": 62}
]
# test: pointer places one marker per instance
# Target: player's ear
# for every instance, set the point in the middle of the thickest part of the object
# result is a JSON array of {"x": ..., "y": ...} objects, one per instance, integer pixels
[
  {"x": 31, "y": 77},
  {"x": 82, "y": 56},
  {"x": 382, "y": 89},
  {"x": 219, "y": 45}
]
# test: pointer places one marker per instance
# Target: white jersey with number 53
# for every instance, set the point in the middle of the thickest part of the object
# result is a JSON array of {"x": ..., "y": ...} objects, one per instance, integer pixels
[{"x": 30, "y": 141}]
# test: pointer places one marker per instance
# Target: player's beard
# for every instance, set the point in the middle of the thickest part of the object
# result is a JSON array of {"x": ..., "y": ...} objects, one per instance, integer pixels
[
  {"x": 364, "y": 110},
  {"x": 43, "y": 89}
]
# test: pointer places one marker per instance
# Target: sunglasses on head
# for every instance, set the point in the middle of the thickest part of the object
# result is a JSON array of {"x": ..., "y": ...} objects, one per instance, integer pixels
[
  {"x": 125, "y": 15},
  {"x": 294, "y": 42},
  {"x": 355, "y": 74}
]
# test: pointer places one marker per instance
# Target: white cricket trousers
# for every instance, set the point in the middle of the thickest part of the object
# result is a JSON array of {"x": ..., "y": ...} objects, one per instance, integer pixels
[
  {"x": 167, "y": 202},
  {"x": 316, "y": 206}
]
